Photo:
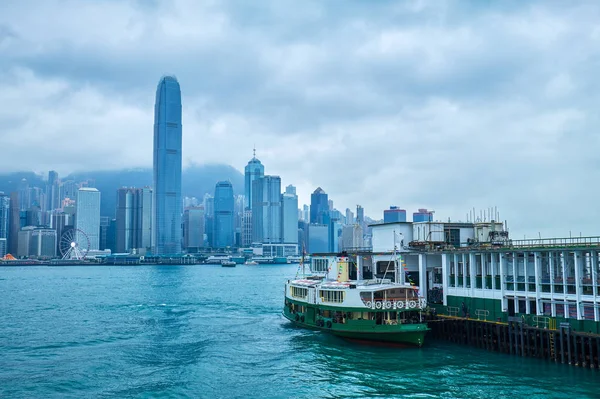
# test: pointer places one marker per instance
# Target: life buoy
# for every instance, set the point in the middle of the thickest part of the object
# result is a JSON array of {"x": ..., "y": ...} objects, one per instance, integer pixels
[
  {"x": 302, "y": 318},
  {"x": 378, "y": 305},
  {"x": 297, "y": 317},
  {"x": 413, "y": 304},
  {"x": 388, "y": 304},
  {"x": 328, "y": 324},
  {"x": 368, "y": 304}
]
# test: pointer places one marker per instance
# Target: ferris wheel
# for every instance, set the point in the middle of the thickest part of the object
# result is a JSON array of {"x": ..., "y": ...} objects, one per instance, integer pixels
[{"x": 74, "y": 244}]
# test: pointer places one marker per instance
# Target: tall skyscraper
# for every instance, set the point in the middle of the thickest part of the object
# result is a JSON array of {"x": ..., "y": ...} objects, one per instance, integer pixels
[
  {"x": 223, "y": 222},
  {"x": 193, "y": 229},
  {"x": 254, "y": 170},
  {"x": 360, "y": 216},
  {"x": 238, "y": 217},
  {"x": 247, "y": 228},
  {"x": 15, "y": 223},
  {"x": 166, "y": 199},
  {"x": 133, "y": 220},
  {"x": 4, "y": 223},
  {"x": 124, "y": 216},
  {"x": 23, "y": 195},
  {"x": 209, "y": 218},
  {"x": 319, "y": 206},
  {"x": 305, "y": 213},
  {"x": 266, "y": 210},
  {"x": 87, "y": 216},
  {"x": 104, "y": 223},
  {"x": 289, "y": 217},
  {"x": 142, "y": 219},
  {"x": 52, "y": 191},
  {"x": 349, "y": 216}
]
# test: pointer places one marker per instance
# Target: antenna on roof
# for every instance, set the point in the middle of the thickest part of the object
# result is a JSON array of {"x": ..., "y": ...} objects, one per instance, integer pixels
[{"x": 254, "y": 150}]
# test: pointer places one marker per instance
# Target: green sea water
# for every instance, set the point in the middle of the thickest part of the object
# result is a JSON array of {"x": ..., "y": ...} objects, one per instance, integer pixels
[{"x": 213, "y": 332}]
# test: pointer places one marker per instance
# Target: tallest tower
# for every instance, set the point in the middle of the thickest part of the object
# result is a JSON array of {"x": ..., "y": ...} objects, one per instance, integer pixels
[{"x": 166, "y": 204}]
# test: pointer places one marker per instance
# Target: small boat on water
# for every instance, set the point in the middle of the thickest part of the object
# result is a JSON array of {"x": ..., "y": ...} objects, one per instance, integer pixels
[
  {"x": 228, "y": 263},
  {"x": 251, "y": 263},
  {"x": 342, "y": 296}
]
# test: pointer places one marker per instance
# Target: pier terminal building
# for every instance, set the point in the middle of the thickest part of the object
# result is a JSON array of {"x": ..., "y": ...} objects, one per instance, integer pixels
[{"x": 474, "y": 270}]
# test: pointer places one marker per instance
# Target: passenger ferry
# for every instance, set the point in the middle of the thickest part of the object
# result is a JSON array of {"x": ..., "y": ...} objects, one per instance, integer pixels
[{"x": 340, "y": 295}]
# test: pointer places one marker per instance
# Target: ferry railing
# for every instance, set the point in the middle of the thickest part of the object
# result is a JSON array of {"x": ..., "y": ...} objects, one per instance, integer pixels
[
  {"x": 452, "y": 311},
  {"x": 482, "y": 313},
  {"x": 541, "y": 322}
]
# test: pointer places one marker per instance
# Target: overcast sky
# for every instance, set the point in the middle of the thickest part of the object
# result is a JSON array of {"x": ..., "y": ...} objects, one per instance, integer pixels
[{"x": 444, "y": 104}]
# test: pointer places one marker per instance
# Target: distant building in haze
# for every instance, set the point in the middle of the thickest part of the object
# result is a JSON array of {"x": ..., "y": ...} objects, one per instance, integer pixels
[
  {"x": 4, "y": 223},
  {"x": 52, "y": 191},
  {"x": 289, "y": 217},
  {"x": 15, "y": 224},
  {"x": 254, "y": 170},
  {"x": 166, "y": 200},
  {"x": 318, "y": 238},
  {"x": 193, "y": 229},
  {"x": 87, "y": 217},
  {"x": 349, "y": 216},
  {"x": 266, "y": 210},
  {"x": 319, "y": 206},
  {"x": 223, "y": 220},
  {"x": 133, "y": 220}
]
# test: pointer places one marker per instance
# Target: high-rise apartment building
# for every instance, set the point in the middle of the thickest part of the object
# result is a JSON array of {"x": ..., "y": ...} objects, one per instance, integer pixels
[
  {"x": 223, "y": 222},
  {"x": 266, "y": 210},
  {"x": 166, "y": 200},
  {"x": 87, "y": 216}
]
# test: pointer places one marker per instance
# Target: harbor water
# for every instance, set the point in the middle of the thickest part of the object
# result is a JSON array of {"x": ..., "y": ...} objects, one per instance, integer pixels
[{"x": 213, "y": 332}]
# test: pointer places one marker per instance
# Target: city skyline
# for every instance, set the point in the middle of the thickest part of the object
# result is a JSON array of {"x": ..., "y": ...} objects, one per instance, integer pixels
[{"x": 394, "y": 104}]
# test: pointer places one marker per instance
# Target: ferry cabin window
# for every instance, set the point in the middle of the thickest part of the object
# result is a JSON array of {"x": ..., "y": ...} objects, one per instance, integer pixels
[
  {"x": 331, "y": 296},
  {"x": 320, "y": 265},
  {"x": 298, "y": 292},
  {"x": 396, "y": 294}
]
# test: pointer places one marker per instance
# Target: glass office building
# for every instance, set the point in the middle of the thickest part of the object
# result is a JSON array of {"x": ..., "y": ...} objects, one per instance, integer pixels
[{"x": 167, "y": 204}]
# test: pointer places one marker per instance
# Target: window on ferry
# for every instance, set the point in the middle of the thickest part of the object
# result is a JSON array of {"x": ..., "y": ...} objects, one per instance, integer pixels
[
  {"x": 396, "y": 294},
  {"x": 298, "y": 292},
  {"x": 320, "y": 265},
  {"x": 366, "y": 296},
  {"x": 331, "y": 296}
]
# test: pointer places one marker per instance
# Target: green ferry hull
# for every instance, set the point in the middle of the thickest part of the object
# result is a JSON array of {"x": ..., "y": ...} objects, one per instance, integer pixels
[{"x": 409, "y": 335}]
